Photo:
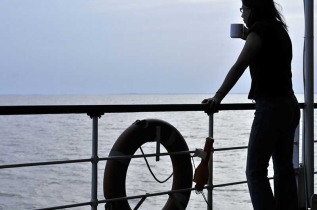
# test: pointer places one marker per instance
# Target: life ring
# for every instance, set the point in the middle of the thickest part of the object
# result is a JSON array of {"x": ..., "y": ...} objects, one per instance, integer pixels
[{"x": 128, "y": 142}]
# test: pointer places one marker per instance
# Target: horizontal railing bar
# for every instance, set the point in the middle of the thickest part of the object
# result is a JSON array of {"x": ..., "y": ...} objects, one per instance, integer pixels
[
  {"x": 89, "y": 160},
  {"x": 108, "y": 158},
  {"x": 140, "y": 203},
  {"x": 147, "y": 195},
  {"x": 67, "y": 206},
  {"x": 146, "y": 155},
  {"x": 229, "y": 184},
  {"x": 44, "y": 163},
  {"x": 101, "y": 109},
  {"x": 112, "y": 158},
  {"x": 123, "y": 198},
  {"x": 233, "y": 183},
  {"x": 231, "y": 148}
]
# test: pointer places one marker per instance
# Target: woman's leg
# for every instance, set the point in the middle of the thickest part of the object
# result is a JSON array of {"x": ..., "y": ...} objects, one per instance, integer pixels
[
  {"x": 285, "y": 190},
  {"x": 272, "y": 133},
  {"x": 260, "y": 149}
]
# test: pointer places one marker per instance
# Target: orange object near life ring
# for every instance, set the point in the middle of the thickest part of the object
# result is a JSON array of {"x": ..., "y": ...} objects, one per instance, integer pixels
[{"x": 128, "y": 142}]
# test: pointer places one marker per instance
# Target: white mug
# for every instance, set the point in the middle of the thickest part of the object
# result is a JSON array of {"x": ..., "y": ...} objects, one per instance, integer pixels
[{"x": 237, "y": 30}]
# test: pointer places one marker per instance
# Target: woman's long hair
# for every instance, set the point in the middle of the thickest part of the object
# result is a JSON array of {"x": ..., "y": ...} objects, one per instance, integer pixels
[{"x": 263, "y": 10}]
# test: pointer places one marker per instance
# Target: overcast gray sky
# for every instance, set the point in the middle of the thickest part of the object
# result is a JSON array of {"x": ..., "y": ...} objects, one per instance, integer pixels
[{"x": 127, "y": 46}]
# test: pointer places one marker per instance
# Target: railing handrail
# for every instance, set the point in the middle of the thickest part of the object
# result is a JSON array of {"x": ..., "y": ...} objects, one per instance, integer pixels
[
  {"x": 117, "y": 108},
  {"x": 94, "y": 111}
]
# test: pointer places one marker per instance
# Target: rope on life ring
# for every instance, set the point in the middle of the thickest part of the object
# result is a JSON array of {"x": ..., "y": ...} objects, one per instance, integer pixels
[{"x": 128, "y": 142}]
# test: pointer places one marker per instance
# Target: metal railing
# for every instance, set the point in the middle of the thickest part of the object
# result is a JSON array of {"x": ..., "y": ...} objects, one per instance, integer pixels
[{"x": 95, "y": 112}]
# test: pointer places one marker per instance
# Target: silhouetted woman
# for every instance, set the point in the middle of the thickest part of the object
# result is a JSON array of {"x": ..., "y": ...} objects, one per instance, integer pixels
[{"x": 268, "y": 53}]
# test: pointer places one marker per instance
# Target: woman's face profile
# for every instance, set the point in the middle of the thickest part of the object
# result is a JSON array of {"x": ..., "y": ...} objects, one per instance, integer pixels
[{"x": 245, "y": 13}]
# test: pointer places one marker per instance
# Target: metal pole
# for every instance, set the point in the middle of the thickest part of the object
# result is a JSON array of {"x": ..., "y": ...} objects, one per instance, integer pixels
[
  {"x": 94, "y": 161},
  {"x": 309, "y": 99},
  {"x": 296, "y": 149},
  {"x": 210, "y": 164},
  {"x": 299, "y": 172}
]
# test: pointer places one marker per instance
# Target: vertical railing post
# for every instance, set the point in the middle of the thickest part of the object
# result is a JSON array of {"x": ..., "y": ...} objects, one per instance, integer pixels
[
  {"x": 296, "y": 149},
  {"x": 309, "y": 99},
  {"x": 94, "y": 161},
  {"x": 299, "y": 171},
  {"x": 210, "y": 164}
]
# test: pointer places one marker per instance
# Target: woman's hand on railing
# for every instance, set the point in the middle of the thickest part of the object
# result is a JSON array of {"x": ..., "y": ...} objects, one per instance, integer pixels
[{"x": 212, "y": 104}]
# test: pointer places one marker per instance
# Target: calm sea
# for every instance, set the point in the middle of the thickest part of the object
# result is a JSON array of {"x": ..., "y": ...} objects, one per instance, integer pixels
[{"x": 37, "y": 138}]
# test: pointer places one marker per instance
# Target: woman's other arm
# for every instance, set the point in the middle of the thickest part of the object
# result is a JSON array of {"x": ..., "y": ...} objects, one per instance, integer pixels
[{"x": 251, "y": 48}]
